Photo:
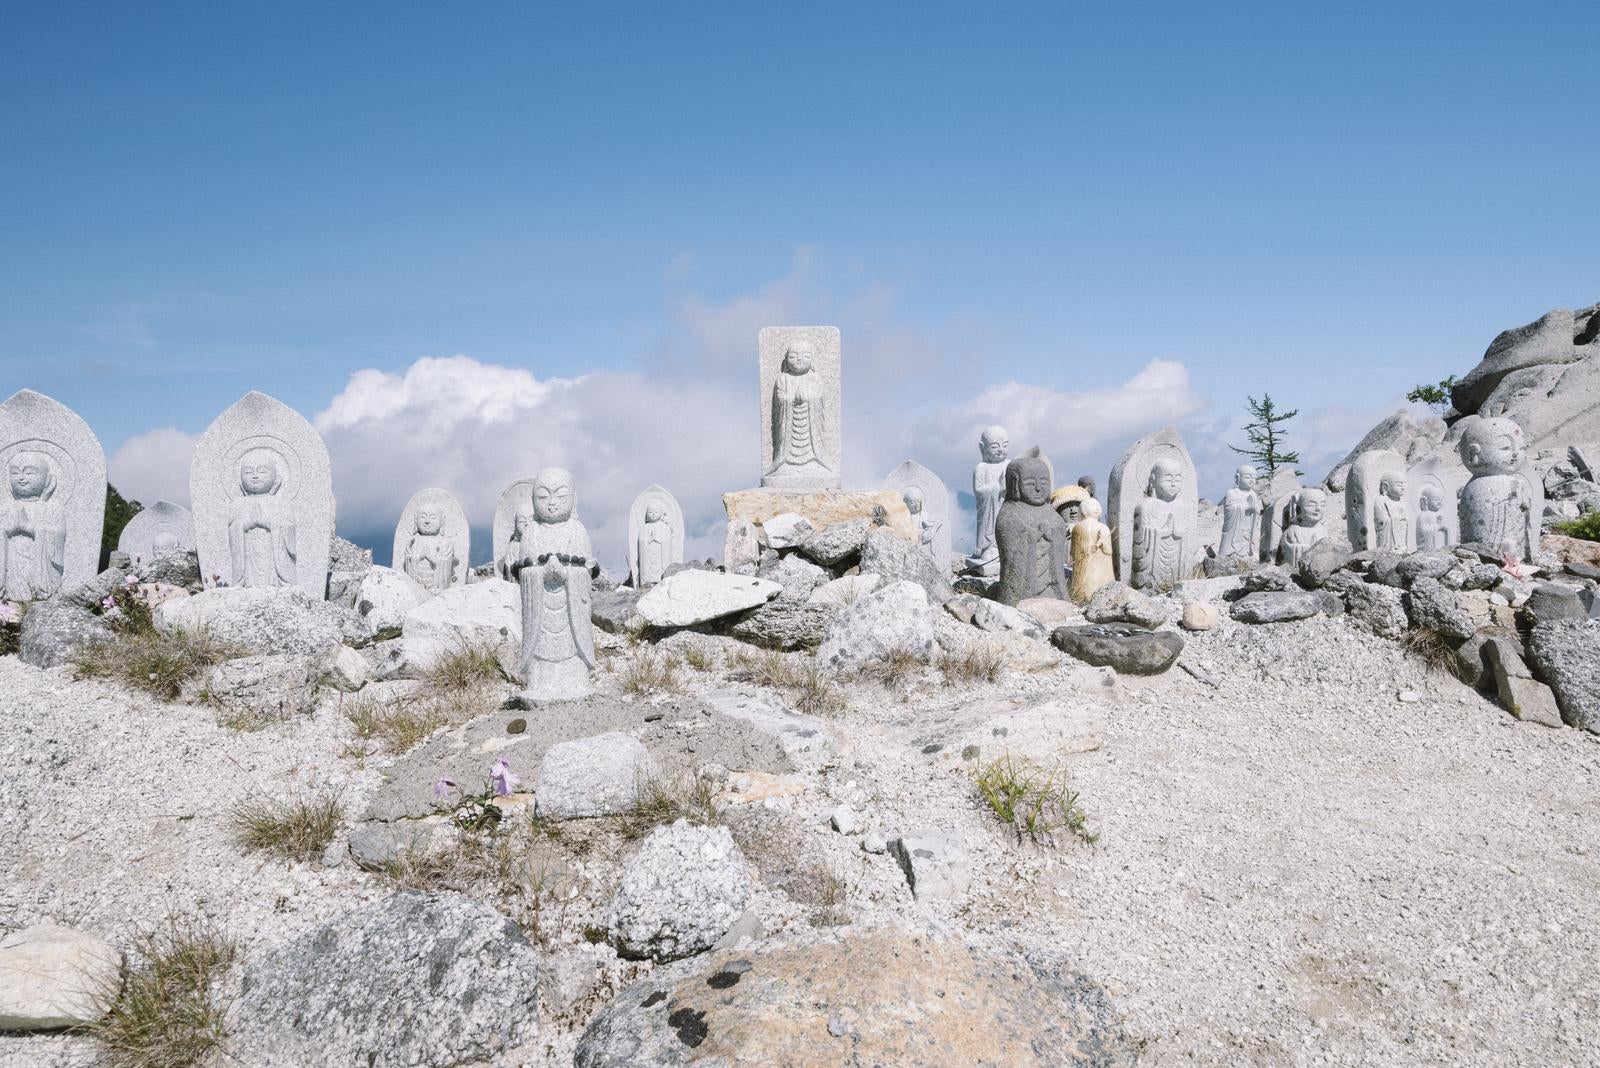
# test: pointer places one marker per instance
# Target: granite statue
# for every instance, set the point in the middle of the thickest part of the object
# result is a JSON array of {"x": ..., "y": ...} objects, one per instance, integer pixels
[
  {"x": 432, "y": 541},
  {"x": 1304, "y": 530},
  {"x": 1241, "y": 518},
  {"x": 800, "y": 409},
  {"x": 1152, "y": 506},
  {"x": 655, "y": 536},
  {"x": 1377, "y": 515},
  {"x": 1029, "y": 534},
  {"x": 928, "y": 500},
  {"x": 1091, "y": 554},
  {"x": 988, "y": 486},
  {"x": 555, "y": 571},
  {"x": 52, "y": 502},
  {"x": 159, "y": 530},
  {"x": 1504, "y": 500}
]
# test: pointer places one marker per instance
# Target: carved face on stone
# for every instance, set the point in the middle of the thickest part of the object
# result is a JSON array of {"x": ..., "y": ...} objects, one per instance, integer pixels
[
  {"x": 653, "y": 512},
  {"x": 429, "y": 520},
  {"x": 31, "y": 476},
  {"x": 1308, "y": 508},
  {"x": 1493, "y": 447},
  {"x": 1166, "y": 480},
  {"x": 524, "y": 519},
  {"x": 1028, "y": 480},
  {"x": 1091, "y": 508},
  {"x": 913, "y": 499},
  {"x": 994, "y": 445},
  {"x": 1071, "y": 509},
  {"x": 1431, "y": 500},
  {"x": 798, "y": 359},
  {"x": 1245, "y": 477},
  {"x": 553, "y": 495},
  {"x": 1393, "y": 486},
  {"x": 258, "y": 473}
]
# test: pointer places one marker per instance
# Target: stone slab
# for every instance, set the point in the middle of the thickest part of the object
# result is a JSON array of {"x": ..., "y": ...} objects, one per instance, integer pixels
[{"x": 54, "y": 484}]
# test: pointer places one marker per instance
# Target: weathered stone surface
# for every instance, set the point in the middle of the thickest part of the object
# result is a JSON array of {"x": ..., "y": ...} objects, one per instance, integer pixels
[
  {"x": 432, "y": 541},
  {"x": 262, "y": 620},
  {"x": 880, "y": 998},
  {"x": 1411, "y": 437},
  {"x": 797, "y": 575},
  {"x": 52, "y": 977},
  {"x": 1201, "y": 615},
  {"x": 1551, "y": 601},
  {"x": 1519, "y": 693},
  {"x": 616, "y": 611},
  {"x": 1319, "y": 564},
  {"x": 935, "y": 865},
  {"x": 343, "y": 668},
  {"x": 433, "y": 979},
  {"x": 484, "y": 615},
  {"x": 996, "y": 618},
  {"x": 679, "y": 895},
  {"x": 784, "y": 624},
  {"x": 1380, "y": 609},
  {"x": 1269, "y": 607},
  {"x": 822, "y": 510},
  {"x": 786, "y": 531},
  {"x": 159, "y": 530},
  {"x": 838, "y": 542},
  {"x": 1438, "y": 609},
  {"x": 348, "y": 564},
  {"x": 843, "y": 592},
  {"x": 386, "y": 596},
  {"x": 691, "y": 597},
  {"x": 1042, "y": 733},
  {"x": 805, "y": 739},
  {"x": 1116, "y": 603},
  {"x": 1168, "y": 505},
  {"x": 1266, "y": 580},
  {"x": 896, "y": 560},
  {"x": 1548, "y": 340},
  {"x": 262, "y": 492},
  {"x": 280, "y": 686},
  {"x": 52, "y": 498},
  {"x": 801, "y": 442},
  {"x": 53, "y": 630},
  {"x": 896, "y": 616},
  {"x": 597, "y": 776},
  {"x": 1050, "y": 611},
  {"x": 180, "y": 569},
  {"x": 1566, "y": 656},
  {"x": 1129, "y": 649}
]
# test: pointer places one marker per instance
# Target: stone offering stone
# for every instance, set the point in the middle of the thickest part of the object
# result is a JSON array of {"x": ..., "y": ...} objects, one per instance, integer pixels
[
  {"x": 655, "y": 536},
  {"x": 262, "y": 491},
  {"x": 928, "y": 501},
  {"x": 432, "y": 542},
  {"x": 1241, "y": 518},
  {"x": 1503, "y": 504},
  {"x": 1123, "y": 647},
  {"x": 1030, "y": 535},
  {"x": 53, "y": 500},
  {"x": 801, "y": 446},
  {"x": 158, "y": 531},
  {"x": 1152, "y": 503},
  {"x": 555, "y": 570},
  {"x": 1377, "y": 507}
]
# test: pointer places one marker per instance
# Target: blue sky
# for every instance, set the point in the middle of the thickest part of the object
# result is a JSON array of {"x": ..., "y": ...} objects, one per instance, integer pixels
[{"x": 1331, "y": 202}]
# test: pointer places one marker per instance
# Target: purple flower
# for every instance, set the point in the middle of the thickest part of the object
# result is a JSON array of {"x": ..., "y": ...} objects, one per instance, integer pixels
[
  {"x": 443, "y": 786},
  {"x": 8, "y": 612},
  {"x": 109, "y": 603},
  {"x": 502, "y": 778}
]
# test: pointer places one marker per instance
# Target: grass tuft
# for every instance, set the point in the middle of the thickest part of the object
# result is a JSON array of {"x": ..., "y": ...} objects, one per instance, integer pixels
[
  {"x": 466, "y": 668},
  {"x": 981, "y": 662},
  {"x": 649, "y": 673},
  {"x": 299, "y": 829},
  {"x": 699, "y": 658},
  {"x": 1432, "y": 649},
  {"x": 166, "y": 1014},
  {"x": 662, "y": 800},
  {"x": 1035, "y": 802},
  {"x": 1585, "y": 527},
  {"x": 148, "y": 660},
  {"x": 894, "y": 669}
]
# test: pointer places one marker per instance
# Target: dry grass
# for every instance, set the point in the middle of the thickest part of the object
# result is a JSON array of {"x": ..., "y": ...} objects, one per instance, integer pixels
[
  {"x": 166, "y": 1014},
  {"x": 980, "y": 662},
  {"x": 894, "y": 669},
  {"x": 299, "y": 829},
  {"x": 699, "y": 658},
  {"x": 816, "y": 695},
  {"x": 1432, "y": 649},
  {"x": 660, "y": 800},
  {"x": 650, "y": 672},
  {"x": 148, "y": 660},
  {"x": 1035, "y": 802},
  {"x": 510, "y": 865},
  {"x": 831, "y": 908},
  {"x": 454, "y": 690},
  {"x": 812, "y": 692},
  {"x": 249, "y": 718},
  {"x": 465, "y": 669}
]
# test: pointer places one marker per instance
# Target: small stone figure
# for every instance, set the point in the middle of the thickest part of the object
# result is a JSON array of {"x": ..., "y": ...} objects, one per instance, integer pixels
[
  {"x": 1030, "y": 536},
  {"x": 1432, "y": 531},
  {"x": 555, "y": 570},
  {"x": 1241, "y": 517},
  {"x": 430, "y": 557},
  {"x": 1068, "y": 500},
  {"x": 1087, "y": 483},
  {"x": 521, "y": 524},
  {"x": 1306, "y": 530},
  {"x": 1498, "y": 504},
  {"x": 988, "y": 484},
  {"x": 1391, "y": 520},
  {"x": 261, "y": 528},
  {"x": 654, "y": 546},
  {"x": 929, "y": 527},
  {"x": 1091, "y": 554},
  {"x": 33, "y": 531},
  {"x": 1160, "y": 530},
  {"x": 799, "y": 416}
]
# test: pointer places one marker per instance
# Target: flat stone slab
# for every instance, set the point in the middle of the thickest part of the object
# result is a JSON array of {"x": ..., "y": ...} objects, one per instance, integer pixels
[
  {"x": 1128, "y": 649},
  {"x": 934, "y": 863},
  {"x": 52, "y": 977},
  {"x": 1275, "y": 607},
  {"x": 691, "y": 597},
  {"x": 805, "y": 739}
]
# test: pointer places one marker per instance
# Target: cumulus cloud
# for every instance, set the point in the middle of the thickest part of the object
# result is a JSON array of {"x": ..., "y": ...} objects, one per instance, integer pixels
[{"x": 153, "y": 466}]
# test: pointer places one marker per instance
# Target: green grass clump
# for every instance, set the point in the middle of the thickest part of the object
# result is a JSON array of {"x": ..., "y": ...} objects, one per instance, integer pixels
[
  {"x": 660, "y": 800},
  {"x": 149, "y": 660},
  {"x": 1585, "y": 527},
  {"x": 299, "y": 829},
  {"x": 166, "y": 1014},
  {"x": 1035, "y": 802}
]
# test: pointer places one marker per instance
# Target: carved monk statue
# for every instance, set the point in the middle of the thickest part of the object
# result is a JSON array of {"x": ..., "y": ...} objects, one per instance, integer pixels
[
  {"x": 165, "y": 543},
  {"x": 33, "y": 531},
  {"x": 1068, "y": 500},
  {"x": 655, "y": 545},
  {"x": 1391, "y": 517},
  {"x": 520, "y": 523},
  {"x": 261, "y": 530},
  {"x": 928, "y": 527},
  {"x": 1241, "y": 517},
  {"x": 799, "y": 416},
  {"x": 1091, "y": 553},
  {"x": 1306, "y": 531},
  {"x": 1432, "y": 531},
  {"x": 988, "y": 483},
  {"x": 555, "y": 572},
  {"x": 430, "y": 554},
  {"x": 1160, "y": 530},
  {"x": 1031, "y": 537},
  {"x": 1497, "y": 503}
]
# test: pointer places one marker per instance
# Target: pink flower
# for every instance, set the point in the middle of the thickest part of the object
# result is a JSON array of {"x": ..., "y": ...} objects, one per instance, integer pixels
[
  {"x": 8, "y": 612},
  {"x": 443, "y": 786},
  {"x": 502, "y": 778}
]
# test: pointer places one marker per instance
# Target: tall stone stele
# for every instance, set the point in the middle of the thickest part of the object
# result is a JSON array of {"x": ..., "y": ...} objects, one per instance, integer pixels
[
  {"x": 262, "y": 490},
  {"x": 1503, "y": 505},
  {"x": 53, "y": 503},
  {"x": 988, "y": 489},
  {"x": 928, "y": 501},
  {"x": 1030, "y": 535},
  {"x": 432, "y": 541},
  {"x": 513, "y": 515},
  {"x": 1377, "y": 512},
  {"x": 1091, "y": 553},
  {"x": 1241, "y": 518},
  {"x": 160, "y": 530},
  {"x": 1153, "y": 502},
  {"x": 555, "y": 571},
  {"x": 1433, "y": 488},
  {"x": 801, "y": 443},
  {"x": 655, "y": 536},
  {"x": 1303, "y": 529}
]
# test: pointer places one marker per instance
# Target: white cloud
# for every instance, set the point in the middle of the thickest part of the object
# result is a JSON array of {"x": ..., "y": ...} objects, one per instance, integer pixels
[{"x": 153, "y": 466}]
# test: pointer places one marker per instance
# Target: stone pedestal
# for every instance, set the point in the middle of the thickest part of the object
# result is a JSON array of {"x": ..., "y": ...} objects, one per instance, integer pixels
[{"x": 748, "y": 509}]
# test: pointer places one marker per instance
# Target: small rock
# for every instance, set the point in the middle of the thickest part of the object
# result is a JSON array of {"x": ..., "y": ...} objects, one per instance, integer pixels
[
  {"x": 691, "y": 597},
  {"x": 1051, "y": 612},
  {"x": 596, "y": 776},
  {"x": 385, "y": 596},
  {"x": 836, "y": 543},
  {"x": 895, "y": 617},
  {"x": 1551, "y": 601},
  {"x": 1267, "y": 580},
  {"x": 1519, "y": 693},
  {"x": 798, "y": 576},
  {"x": 997, "y": 618},
  {"x": 52, "y": 977},
  {"x": 1125, "y": 647},
  {"x": 874, "y": 842},
  {"x": 1117, "y": 603},
  {"x": 784, "y": 624},
  {"x": 898, "y": 560},
  {"x": 679, "y": 895},
  {"x": 1433, "y": 607},
  {"x": 1275, "y": 607},
  {"x": 345, "y": 669},
  {"x": 786, "y": 531},
  {"x": 1379, "y": 609},
  {"x": 844, "y": 820},
  {"x": 1566, "y": 654},
  {"x": 616, "y": 611},
  {"x": 1201, "y": 615},
  {"x": 53, "y": 631},
  {"x": 1409, "y": 697},
  {"x": 936, "y": 867}
]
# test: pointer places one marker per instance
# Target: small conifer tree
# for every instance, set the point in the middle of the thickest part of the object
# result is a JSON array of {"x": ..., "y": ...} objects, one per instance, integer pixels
[{"x": 1266, "y": 435}]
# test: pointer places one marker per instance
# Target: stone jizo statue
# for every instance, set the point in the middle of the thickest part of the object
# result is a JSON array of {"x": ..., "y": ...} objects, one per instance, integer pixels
[
  {"x": 1307, "y": 531},
  {"x": 261, "y": 528},
  {"x": 799, "y": 416},
  {"x": 1068, "y": 501},
  {"x": 555, "y": 571},
  {"x": 33, "y": 530},
  {"x": 1241, "y": 517},
  {"x": 1030, "y": 536},
  {"x": 1432, "y": 531},
  {"x": 988, "y": 485},
  {"x": 1391, "y": 519},
  {"x": 655, "y": 545},
  {"x": 1091, "y": 554},
  {"x": 430, "y": 557},
  {"x": 520, "y": 526},
  {"x": 1160, "y": 530},
  {"x": 929, "y": 526},
  {"x": 1499, "y": 504},
  {"x": 1088, "y": 484}
]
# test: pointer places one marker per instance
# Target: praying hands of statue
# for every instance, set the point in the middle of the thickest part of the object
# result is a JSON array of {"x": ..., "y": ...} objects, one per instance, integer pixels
[{"x": 18, "y": 523}]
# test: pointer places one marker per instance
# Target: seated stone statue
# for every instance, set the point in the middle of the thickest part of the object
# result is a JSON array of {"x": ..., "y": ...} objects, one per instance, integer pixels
[
  {"x": 261, "y": 528},
  {"x": 1391, "y": 517},
  {"x": 1306, "y": 531},
  {"x": 655, "y": 546},
  {"x": 1433, "y": 532},
  {"x": 1031, "y": 537},
  {"x": 1497, "y": 504},
  {"x": 1091, "y": 554},
  {"x": 33, "y": 531},
  {"x": 430, "y": 554},
  {"x": 555, "y": 572},
  {"x": 1241, "y": 517},
  {"x": 1160, "y": 530}
]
